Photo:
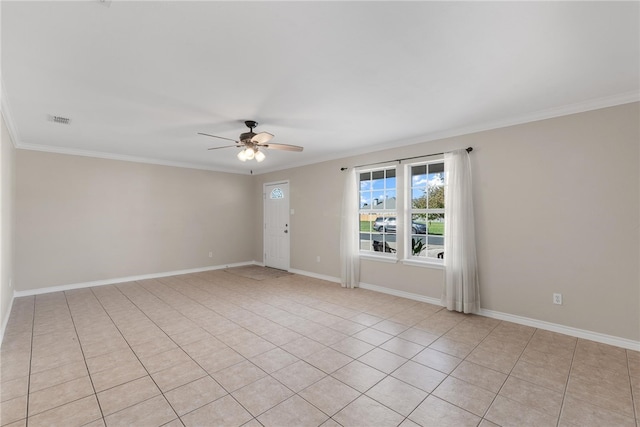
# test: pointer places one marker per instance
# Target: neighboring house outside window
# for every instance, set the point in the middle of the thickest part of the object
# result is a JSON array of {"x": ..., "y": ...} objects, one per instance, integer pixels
[
  {"x": 378, "y": 211},
  {"x": 425, "y": 239}
]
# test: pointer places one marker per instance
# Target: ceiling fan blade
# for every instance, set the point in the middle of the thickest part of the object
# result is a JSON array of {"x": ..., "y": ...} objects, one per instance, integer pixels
[
  {"x": 285, "y": 147},
  {"x": 221, "y": 137},
  {"x": 261, "y": 137},
  {"x": 226, "y": 146}
]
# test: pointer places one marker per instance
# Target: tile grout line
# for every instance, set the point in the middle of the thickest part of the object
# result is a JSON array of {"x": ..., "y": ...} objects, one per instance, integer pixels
[
  {"x": 566, "y": 386},
  {"x": 447, "y": 375},
  {"x": 246, "y": 359},
  {"x": 270, "y": 375},
  {"x": 180, "y": 347},
  {"x": 134, "y": 353},
  {"x": 634, "y": 405},
  {"x": 509, "y": 375},
  {"x": 84, "y": 359},
  {"x": 277, "y": 346},
  {"x": 33, "y": 325},
  {"x": 145, "y": 301}
]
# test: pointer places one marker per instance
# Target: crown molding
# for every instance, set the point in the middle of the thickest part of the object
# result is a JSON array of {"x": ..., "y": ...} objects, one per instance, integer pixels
[
  {"x": 580, "y": 107},
  {"x": 121, "y": 157},
  {"x": 550, "y": 113}
]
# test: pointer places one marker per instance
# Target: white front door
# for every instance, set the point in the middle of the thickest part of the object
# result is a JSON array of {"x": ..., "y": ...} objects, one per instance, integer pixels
[{"x": 276, "y": 225}]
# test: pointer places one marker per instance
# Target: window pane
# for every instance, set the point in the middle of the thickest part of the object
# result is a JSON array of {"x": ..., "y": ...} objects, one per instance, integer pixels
[
  {"x": 378, "y": 180},
  {"x": 390, "y": 181},
  {"x": 389, "y": 199},
  {"x": 366, "y": 223},
  {"x": 435, "y": 183},
  {"x": 377, "y": 232},
  {"x": 365, "y": 200},
  {"x": 418, "y": 198},
  {"x": 436, "y": 224},
  {"x": 385, "y": 243},
  {"x": 365, "y": 180},
  {"x": 419, "y": 223},
  {"x": 426, "y": 235},
  {"x": 436, "y": 168},
  {"x": 418, "y": 245},
  {"x": 435, "y": 238},
  {"x": 385, "y": 223},
  {"x": 365, "y": 190},
  {"x": 365, "y": 242},
  {"x": 436, "y": 197},
  {"x": 390, "y": 245},
  {"x": 435, "y": 251},
  {"x": 418, "y": 173},
  {"x": 375, "y": 175},
  {"x": 378, "y": 197},
  {"x": 419, "y": 187}
]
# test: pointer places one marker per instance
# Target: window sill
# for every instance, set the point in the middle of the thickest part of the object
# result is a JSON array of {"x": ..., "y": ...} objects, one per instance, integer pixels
[
  {"x": 420, "y": 263},
  {"x": 381, "y": 258}
]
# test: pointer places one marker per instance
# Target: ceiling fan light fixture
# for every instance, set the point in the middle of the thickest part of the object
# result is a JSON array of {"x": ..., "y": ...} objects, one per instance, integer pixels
[{"x": 251, "y": 143}]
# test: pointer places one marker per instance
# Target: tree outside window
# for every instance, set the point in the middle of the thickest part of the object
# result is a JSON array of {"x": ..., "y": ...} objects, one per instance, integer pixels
[{"x": 427, "y": 208}]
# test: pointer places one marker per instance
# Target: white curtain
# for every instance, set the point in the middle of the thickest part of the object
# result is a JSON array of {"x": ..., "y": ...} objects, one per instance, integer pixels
[
  {"x": 461, "y": 289},
  {"x": 350, "y": 234}
]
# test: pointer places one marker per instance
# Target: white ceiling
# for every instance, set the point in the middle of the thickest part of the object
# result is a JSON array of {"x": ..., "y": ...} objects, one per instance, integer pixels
[{"x": 140, "y": 79}]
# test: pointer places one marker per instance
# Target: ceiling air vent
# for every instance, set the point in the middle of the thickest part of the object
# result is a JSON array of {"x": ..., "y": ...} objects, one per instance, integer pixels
[{"x": 59, "y": 119}]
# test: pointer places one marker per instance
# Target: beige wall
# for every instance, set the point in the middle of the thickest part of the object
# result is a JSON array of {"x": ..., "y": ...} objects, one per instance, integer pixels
[
  {"x": 557, "y": 210},
  {"x": 316, "y": 192},
  {"x": 6, "y": 233},
  {"x": 81, "y": 219}
]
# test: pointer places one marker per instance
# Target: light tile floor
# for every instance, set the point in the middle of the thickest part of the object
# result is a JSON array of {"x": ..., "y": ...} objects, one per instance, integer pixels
[{"x": 213, "y": 348}]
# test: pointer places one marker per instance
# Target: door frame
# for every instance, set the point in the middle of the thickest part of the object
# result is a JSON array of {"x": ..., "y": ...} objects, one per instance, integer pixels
[{"x": 264, "y": 220}]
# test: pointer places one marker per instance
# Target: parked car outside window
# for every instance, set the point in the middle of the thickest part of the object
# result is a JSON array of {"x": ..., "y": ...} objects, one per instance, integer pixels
[{"x": 388, "y": 225}]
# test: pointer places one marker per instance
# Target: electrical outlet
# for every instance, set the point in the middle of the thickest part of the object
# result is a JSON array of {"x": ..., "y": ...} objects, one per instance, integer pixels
[
  {"x": 557, "y": 299},
  {"x": 318, "y": 258},
  {"x": 210, "y": 254}
]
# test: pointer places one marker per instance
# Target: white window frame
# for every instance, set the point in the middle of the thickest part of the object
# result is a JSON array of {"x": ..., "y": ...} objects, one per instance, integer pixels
[
  {"x": 408, "y": 213},
  {"x": 371, "y": 254}
]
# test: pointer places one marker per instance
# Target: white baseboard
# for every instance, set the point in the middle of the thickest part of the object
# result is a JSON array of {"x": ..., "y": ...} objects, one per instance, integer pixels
[
  {"x": 566, "y": 330},
  {"x": 126, "y": 279},
  {"x": 315, "y": 275},
  {"x": 540, "y": 324},
  {"x": 403, "y": 294}
]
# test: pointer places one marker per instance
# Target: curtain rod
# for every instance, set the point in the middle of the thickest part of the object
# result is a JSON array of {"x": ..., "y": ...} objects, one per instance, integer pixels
[{"x": 469, "y": 149}]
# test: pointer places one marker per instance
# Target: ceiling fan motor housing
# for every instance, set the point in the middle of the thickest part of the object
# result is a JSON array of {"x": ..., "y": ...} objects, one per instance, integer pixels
[
  {"x": 251, "y": 141},
  {"x": 246, "y": 137}
]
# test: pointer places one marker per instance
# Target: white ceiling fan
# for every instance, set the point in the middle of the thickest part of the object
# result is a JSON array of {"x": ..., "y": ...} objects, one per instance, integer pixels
[{"x": 251, "y": 143}]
